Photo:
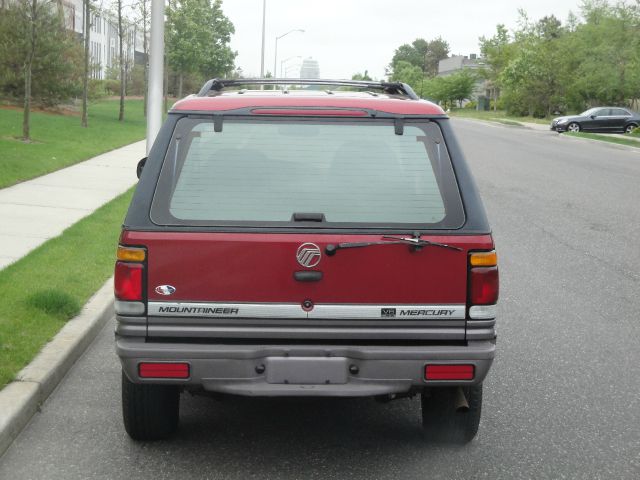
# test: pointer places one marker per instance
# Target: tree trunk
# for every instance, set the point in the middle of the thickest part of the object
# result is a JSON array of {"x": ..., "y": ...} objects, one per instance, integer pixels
[
  {"x": 85, "y": 80},
  {"x": 26, "y": 117},
  {"x": 122, "y": 69},
  {"x": 180, "y": 77}
]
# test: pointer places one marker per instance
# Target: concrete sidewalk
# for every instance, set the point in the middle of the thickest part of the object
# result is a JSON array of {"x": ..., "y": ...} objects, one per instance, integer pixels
[{"x": 36, "y": 210}]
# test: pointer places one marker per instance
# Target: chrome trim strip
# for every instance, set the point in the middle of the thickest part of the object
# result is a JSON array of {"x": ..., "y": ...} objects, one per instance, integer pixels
[
  {"x": 226, "y": 310},
  {"x": 404, "y": 312},
  {"x": 321, "y": 311}
]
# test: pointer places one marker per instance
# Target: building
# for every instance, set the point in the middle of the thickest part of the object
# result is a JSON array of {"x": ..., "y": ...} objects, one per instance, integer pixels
[
  {"x": 310, "y": 68},
  {"x": 457, "y": 63},
  {"x": 104, "y": 42}
]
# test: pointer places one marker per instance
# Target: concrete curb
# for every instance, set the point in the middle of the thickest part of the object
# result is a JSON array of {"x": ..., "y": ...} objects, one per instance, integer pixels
[{"x": 22, "y": 398}]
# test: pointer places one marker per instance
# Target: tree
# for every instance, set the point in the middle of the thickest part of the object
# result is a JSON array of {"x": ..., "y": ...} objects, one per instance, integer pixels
[
  {"x": 408, "y": 73},
  {"x": 38, "y": 56},
  {"x": 422, "y": 54},
  {"x": 144, "y": 17},
  {"x": 121, "y": 59},
  {"x": 85, "y": 79},
  {"x": 198, "y": 36},
  {"x": 362, "y": 76},
  {"x": 496, "y": 51}
]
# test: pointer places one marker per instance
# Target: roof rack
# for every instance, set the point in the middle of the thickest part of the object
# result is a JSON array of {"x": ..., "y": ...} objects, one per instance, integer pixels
[{"x": 393, "y": 88}]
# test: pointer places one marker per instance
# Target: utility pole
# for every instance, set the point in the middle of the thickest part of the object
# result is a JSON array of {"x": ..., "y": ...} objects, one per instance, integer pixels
[
  {"x": 264, "y": 18},
  {"x": 156, "y": 60}
]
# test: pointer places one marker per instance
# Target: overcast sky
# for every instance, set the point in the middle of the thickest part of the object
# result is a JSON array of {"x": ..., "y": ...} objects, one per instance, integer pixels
[{"x": 349, "y": 36}]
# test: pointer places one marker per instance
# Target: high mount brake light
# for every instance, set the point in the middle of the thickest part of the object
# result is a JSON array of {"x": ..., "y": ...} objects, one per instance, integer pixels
[
  {"x": 311, "y": 112},
  {"x": 484, "y": 285}
]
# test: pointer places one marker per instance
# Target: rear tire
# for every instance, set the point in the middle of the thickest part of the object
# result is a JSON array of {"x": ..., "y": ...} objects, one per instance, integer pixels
[
  {"x": 440, "y": 420},
  {"x": 150, "y": 412},
  {"x": 574, "y": 127}
]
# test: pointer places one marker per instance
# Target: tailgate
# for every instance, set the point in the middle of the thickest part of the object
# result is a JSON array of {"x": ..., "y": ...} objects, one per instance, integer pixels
[{"x": 245, "y": 285}]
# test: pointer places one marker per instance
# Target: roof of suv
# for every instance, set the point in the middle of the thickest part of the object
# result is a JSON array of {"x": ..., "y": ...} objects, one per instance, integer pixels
[{"x": 242, "y": 99}]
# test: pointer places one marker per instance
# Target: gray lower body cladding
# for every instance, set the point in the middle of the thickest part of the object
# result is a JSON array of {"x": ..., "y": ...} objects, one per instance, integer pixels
[{"x": 305, "y": 370}]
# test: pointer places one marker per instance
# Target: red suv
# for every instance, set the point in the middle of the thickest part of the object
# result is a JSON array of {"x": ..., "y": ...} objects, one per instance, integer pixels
[{"x": 319, "y": 241}]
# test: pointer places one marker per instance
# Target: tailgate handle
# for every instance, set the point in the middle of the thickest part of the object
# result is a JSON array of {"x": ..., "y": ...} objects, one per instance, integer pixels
[{"x": 308, "y": 276}]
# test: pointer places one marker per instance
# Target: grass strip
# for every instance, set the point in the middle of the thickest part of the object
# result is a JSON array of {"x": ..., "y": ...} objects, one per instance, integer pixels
[
  {"x": 60, "y": 141},
  {"x": 49, "y": 286},
  {"x": 499, "y": 116},
  {"x": 605, "y": 138}
]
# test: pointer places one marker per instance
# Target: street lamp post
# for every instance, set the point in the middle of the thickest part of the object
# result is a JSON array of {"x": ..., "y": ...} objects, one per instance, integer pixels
[
  {"x": 264, "y": 17},
  {"x": 156, "y": 60},
  {"x": 285, "y": 61},
  {"x": 275, "y": 57}
]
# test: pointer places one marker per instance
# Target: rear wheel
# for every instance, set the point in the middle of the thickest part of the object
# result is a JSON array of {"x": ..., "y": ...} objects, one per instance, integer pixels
[
  {"x": 630, "y": 128},
  {"x": 446, "y": 419},
  {"x": 573, "y": 127},
  {"x": 150, "y": 412}
]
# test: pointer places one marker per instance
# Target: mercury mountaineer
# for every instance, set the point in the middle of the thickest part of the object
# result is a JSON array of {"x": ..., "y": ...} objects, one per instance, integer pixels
[{"x": 324, "y": 241}]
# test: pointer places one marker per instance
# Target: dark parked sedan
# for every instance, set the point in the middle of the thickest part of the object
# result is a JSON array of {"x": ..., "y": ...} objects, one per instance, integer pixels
[{"x": 599, "y": 119}]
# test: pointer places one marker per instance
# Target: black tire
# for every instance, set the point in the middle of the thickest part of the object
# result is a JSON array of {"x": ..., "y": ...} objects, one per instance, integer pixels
[
  {"x": 630, "y": 128},
  {"x": 440, "y": 420},
  {"x": 574, "y": 127},
  {"x": 150, "y": 412}
]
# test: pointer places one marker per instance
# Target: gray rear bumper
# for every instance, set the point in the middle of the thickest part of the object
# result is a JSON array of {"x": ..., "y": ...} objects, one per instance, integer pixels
[{"x": 305, "y": 370}]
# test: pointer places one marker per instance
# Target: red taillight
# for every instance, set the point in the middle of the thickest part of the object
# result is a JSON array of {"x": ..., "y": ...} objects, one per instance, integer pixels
[
  {"x": 163, "y": 370},
  {"x": 484, "y": 286},
  {"x": 449, "y": 372},
  {"x": 128, "y": 281}
]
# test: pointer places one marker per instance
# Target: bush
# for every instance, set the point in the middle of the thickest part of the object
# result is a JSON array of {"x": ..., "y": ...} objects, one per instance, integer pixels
[
  {"x": 472, "y": 105},
  {"x": 96, "y": 89},
  {"x": 112, "y": 86}
]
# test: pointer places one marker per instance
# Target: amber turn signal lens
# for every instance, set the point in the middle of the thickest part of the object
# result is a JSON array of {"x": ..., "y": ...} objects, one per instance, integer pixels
[
  {"x": 483, "y": 259},
  {"x": 131, "y": 254}
]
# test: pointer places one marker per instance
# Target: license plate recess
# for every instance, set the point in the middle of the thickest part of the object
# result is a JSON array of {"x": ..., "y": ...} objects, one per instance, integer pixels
[{"x": 306, "y": 370}]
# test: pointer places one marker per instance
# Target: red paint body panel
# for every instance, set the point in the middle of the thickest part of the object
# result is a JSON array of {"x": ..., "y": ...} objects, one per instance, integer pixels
[
  {"x": 381, "y": 104},
  {"x": 248, "y": 267}
]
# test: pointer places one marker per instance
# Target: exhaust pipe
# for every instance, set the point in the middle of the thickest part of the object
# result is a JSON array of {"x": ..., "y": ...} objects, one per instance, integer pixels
[{"x": 460, "y": 401}]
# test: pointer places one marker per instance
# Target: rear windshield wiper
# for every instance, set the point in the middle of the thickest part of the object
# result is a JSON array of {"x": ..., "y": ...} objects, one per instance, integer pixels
[{"x": 415, "y": 242}]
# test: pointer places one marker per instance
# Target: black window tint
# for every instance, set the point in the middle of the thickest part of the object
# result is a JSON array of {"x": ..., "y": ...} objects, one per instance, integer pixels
[{"x": 619, "y": 112}]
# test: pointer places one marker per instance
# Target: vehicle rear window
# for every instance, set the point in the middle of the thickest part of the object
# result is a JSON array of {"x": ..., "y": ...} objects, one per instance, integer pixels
[{"x": 264, "y": 171}]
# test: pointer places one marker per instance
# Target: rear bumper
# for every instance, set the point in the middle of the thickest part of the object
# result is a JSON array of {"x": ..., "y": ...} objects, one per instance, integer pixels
[{"x": 305, "y": 370}]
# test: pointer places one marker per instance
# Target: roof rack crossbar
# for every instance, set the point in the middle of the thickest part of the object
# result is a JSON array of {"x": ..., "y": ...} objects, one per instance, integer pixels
[{"x": 397, "y": 88}]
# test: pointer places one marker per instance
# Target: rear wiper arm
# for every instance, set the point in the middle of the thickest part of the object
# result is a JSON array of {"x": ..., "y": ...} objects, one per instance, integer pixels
[{"x": 415, "y": 242}]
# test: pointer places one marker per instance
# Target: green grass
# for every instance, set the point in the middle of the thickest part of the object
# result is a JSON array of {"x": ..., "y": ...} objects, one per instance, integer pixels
[
  {"x": 59, "y": 140},
  {"x": 605, "y": 138},
  {"x": 499, "y": 116},
  {"x": 46, "y": 288}
]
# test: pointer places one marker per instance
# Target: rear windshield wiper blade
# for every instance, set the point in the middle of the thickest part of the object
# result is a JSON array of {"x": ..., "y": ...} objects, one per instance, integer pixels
[{"x": 415, "y": 242}]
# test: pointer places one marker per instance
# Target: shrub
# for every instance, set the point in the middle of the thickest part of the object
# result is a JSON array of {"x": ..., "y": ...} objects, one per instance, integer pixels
[{"x": 96, "y": 89}]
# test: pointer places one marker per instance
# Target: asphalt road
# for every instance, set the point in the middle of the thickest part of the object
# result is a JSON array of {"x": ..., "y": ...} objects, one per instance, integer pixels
[{"x": 562, "y": 400}]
